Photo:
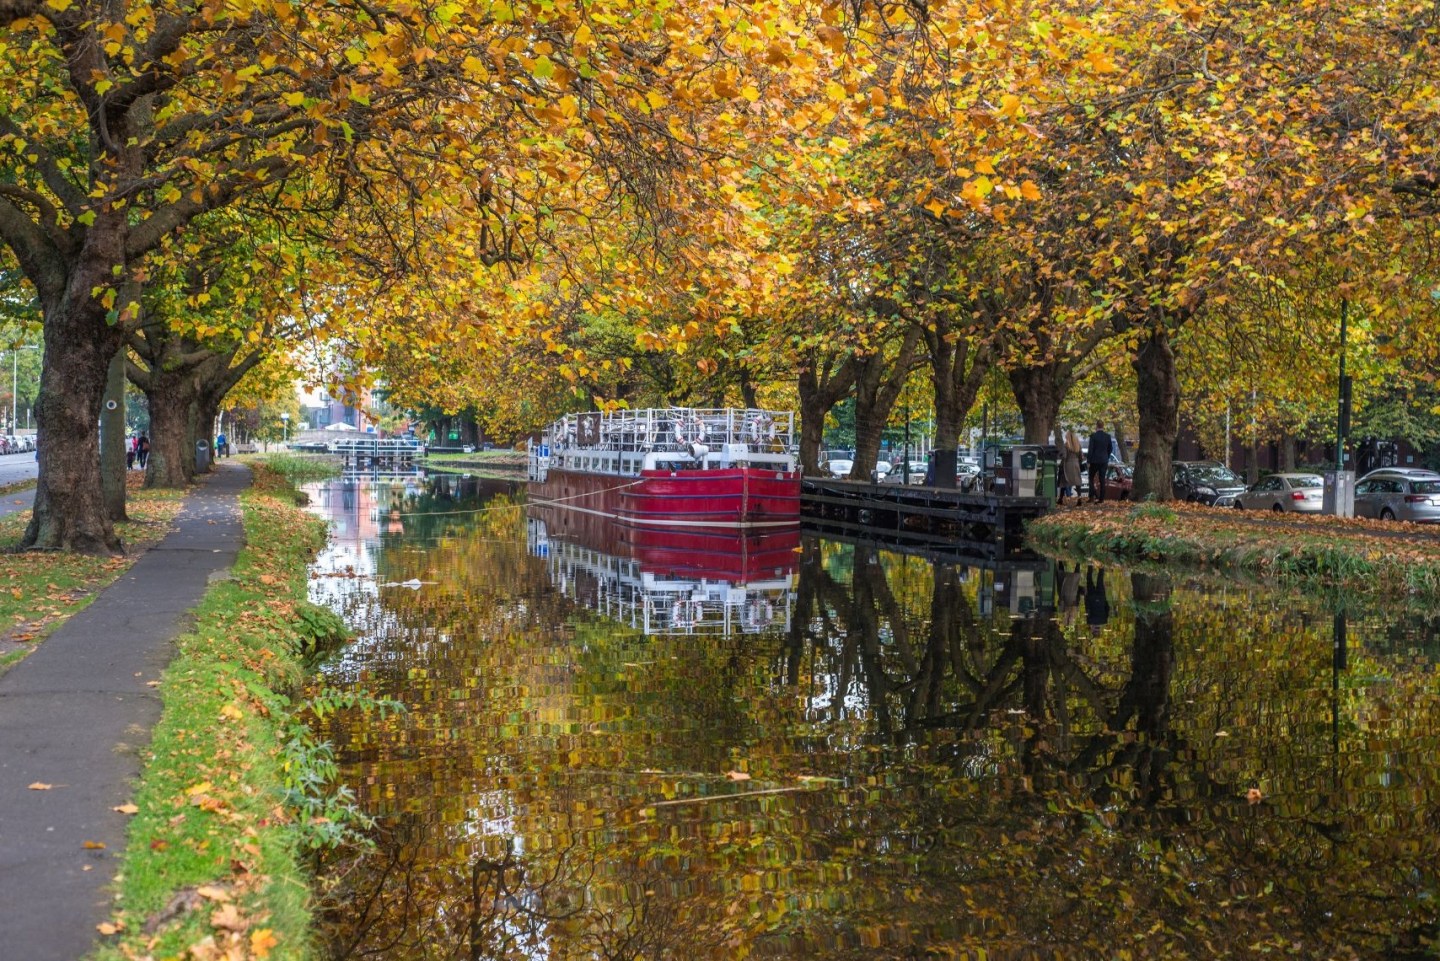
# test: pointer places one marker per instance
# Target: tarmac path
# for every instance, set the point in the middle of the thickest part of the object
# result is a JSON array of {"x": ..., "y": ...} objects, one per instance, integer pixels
[{"x": 75, "y": 715}]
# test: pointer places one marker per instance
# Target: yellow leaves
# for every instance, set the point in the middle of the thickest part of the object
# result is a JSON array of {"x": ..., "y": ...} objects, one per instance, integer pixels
[
  {"x": 1010, "y": 106},
  {"x": 831, "y": 37},
  {"x": 262, "y": 942},
  {"x": 60, "y": 6},
  {"x": 1029, "y": 190},
  {"x": 1100, "y": 61}
]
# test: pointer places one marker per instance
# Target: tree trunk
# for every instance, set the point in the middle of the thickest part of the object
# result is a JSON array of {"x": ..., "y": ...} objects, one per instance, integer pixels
[
  {"x": 112, "y": 439},
  {"x": 69, "y": 511},
  {"x": 812, "y": 431},
  {"x": 1039, "y": 390},
  {"x": 959, "y": 368},
  {"x": 820, "y": 388},
  {"x": 877, "y": 388},
  {"x": 195, "y": 438},
  {"x": 1157, "y": 392},
  {"x": 172, "y": 463}
]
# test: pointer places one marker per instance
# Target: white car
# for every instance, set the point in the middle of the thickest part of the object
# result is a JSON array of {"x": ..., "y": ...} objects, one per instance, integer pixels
[{"x": 839, "y": 468}]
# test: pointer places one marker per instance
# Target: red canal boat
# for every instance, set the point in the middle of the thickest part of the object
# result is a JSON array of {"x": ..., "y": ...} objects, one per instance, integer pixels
[{"x": 674, "y": 468}]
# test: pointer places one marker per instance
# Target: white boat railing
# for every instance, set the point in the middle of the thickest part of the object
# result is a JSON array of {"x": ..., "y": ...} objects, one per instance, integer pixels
[{"x": 674, "y": 429}]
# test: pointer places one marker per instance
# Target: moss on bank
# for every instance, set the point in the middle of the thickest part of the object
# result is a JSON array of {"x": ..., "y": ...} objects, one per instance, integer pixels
[
  {"x": 1367, "y": 557},
  {"x": 214, "y": 863}
]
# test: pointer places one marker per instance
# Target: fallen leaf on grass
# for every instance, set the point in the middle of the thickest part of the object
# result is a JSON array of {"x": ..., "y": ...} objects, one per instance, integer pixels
[
  {"x": 228, "y": 919},
  {"x": 737, "y": 775},
  {"x": 1254, "y": 796},
  {"x": 107, "y": 929},
  {"x": 212, "y": 892},
  {"x": 261, "y": 941}
]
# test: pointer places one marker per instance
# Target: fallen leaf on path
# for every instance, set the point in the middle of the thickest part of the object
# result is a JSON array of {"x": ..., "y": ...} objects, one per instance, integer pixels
[
  {"x": 41, "y": 786},
  {"x": 94, "y": 845},
  {"x": 126, "y": 808}
]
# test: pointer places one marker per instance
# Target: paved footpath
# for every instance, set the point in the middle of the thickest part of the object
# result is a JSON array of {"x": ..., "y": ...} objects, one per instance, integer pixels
[
  {"x": 14, "y": 468},
  {"x": 76, "y": 713}
]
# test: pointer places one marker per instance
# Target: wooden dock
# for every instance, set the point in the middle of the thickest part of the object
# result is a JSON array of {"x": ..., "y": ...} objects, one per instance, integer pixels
[{"x": 993, "y": 524}]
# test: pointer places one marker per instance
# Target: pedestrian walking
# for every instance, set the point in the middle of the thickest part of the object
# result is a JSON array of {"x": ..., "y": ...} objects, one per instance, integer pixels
[
  {"x": 142, "y": 451},
  {"x": 222, "y": 446},
  {"x": 130, "y": 452},
  {"x": 1070, "y": 467},
  {"x": 1098, "y": 457}
]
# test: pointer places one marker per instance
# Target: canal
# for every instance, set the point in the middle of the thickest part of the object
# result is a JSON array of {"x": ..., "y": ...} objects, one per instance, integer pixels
[{"x": 615, "y": 749}]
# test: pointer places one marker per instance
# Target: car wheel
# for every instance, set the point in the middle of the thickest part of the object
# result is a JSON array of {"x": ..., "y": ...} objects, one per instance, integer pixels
[
  {"x": 1238, "y": 506},
  {"x": 1278, "y": 509},
  {"x": 1387, "y": 515}
]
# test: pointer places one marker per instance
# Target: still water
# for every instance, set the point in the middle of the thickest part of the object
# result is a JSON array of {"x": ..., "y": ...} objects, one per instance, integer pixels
[{"x": 818, "y": 749}]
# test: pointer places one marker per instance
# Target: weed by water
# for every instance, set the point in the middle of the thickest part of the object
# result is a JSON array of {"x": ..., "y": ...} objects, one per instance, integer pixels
[{"x": 233, "y": 795}]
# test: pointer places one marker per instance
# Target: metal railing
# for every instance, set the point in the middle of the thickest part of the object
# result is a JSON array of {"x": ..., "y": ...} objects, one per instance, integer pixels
[{"x": 675, "y": 428}]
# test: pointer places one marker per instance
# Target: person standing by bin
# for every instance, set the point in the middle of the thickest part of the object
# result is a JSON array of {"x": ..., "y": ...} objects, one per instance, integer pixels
[
  {"x": 1099, "y": 461},
  {"x": 1070, "y": 467}
]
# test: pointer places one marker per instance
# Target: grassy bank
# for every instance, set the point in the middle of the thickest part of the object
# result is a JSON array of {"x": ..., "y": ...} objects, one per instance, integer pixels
[
  {"x": 42, "y": 589},
  {"x": 1368, "y": 557},
  {"x": 214, "y": 865}
]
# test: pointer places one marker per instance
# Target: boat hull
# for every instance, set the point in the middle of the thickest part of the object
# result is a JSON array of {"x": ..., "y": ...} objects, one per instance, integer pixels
[{"x": 736, "y": 498}]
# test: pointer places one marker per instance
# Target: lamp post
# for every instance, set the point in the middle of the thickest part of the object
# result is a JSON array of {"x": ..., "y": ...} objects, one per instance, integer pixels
[
  {"x": 285, "y": 427},
  {"x": 15, "y": 383}
]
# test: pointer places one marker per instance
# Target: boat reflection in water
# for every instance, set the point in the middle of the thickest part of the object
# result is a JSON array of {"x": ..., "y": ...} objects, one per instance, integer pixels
[{"x": 669, "y": 582}]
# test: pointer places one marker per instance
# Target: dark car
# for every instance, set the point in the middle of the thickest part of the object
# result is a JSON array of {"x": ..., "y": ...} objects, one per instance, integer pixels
[
  {"x": 1206, "y": 482},
  {"x": 1119, "y": 482}
]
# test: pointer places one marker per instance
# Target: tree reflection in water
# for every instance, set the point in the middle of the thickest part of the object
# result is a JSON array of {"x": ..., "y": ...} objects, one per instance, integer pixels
[{"x": 931, "y": 761}]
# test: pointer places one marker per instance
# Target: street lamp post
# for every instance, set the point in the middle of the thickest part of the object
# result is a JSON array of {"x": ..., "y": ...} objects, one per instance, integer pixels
[
  {"x": 15, "y": 384},
  {"x": 285, "y": 428}
]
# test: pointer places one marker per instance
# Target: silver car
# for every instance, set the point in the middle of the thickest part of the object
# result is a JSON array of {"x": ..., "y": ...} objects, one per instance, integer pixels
[
  {"x": 1398, "y": 494},
  {"x": 1285, "y": 492}
]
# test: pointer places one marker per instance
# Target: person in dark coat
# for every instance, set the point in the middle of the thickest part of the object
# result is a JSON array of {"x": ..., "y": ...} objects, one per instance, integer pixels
[
  {"x": 1098, "y": 460},
  {"x": 1097, "y": 605}
]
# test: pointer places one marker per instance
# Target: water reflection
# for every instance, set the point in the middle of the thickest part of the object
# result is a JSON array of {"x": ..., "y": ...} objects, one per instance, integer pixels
[
  {"x": 926, "y": 759},
  {"x": 668, "y": 582}
]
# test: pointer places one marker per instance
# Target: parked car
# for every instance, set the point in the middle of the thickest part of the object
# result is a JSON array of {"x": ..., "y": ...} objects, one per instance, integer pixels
[
  {"x": 839, "y": 468},
  {"x": 1399, "y": 494},
  {"x": 1119, "y": 482},
  {"x": 1205, "y": 482},
  {"x": 881, "y": 471},
  {"x": 1301, "y": 492}
]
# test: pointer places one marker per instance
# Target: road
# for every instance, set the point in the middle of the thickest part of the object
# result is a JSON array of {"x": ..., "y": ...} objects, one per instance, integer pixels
[{"x": 15, "y": 468}]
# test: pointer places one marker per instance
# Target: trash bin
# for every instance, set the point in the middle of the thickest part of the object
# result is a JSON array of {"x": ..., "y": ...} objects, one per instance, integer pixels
[{"x": 202, "y": 455}]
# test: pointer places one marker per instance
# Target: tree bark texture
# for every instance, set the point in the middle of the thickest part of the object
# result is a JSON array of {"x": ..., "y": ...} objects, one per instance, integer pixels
[
  {"x": 1039, "y": 391},
  {"x": 877, "y": 387},
  {"x": 959, "y": 366},
  {"x": 1157, "y": 392},
  {"x": 70, "y": 512},
  {"x": 171, "y": 395},
  {"x": 822, "y": 382}
]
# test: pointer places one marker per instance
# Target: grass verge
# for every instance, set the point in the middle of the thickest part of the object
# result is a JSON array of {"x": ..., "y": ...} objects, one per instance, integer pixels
[
  {"x": 1313, "y": 553},
  {"x": 42, "y": 589},
  {"x": 214, "y": 862},
  {"x": 298, "y": 468},
  {"x": 16, "y": 487},
  {"x": 499, "y": 463}
]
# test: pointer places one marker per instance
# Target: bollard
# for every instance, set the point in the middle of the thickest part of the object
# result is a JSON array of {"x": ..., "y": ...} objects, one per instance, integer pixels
[{"x": 202, "y": 456}]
